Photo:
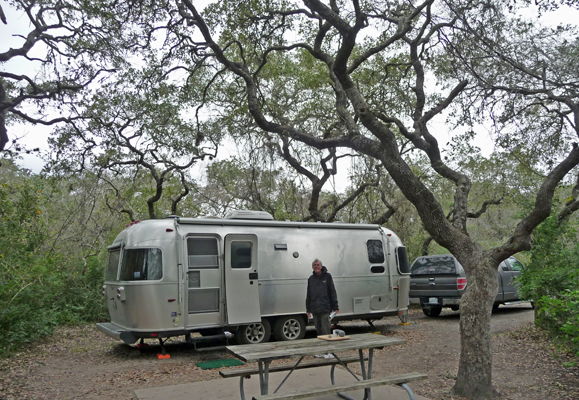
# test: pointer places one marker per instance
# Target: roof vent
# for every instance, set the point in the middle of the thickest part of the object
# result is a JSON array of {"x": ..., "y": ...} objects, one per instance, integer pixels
[{"x": 248, "y": 214}]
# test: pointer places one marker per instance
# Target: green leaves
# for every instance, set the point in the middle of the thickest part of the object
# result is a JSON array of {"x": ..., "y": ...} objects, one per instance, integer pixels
[
  {"x": 551, "y": 279},
  {"x": 46, "y": 228}
]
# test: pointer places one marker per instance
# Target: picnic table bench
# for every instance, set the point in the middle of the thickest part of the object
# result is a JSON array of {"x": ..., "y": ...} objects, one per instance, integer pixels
[{"x": 264, "y": 353}]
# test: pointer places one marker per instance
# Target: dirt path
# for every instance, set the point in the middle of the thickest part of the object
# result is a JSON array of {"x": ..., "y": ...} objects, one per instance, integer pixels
[{"x": 81, "y": 363}]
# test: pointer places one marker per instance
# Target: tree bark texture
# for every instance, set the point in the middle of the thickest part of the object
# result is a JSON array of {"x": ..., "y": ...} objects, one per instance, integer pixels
[{"x": 474, "y": 379}]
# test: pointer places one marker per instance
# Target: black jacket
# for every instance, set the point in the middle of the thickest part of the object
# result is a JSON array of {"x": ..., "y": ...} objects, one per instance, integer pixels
[{"x": 321, "y": 296}]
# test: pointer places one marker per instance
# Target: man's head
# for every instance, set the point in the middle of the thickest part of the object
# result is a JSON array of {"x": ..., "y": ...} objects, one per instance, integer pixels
[{"x": 317, "y": 266}]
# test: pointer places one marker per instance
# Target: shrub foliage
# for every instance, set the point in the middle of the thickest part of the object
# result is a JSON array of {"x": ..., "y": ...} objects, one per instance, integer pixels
[
  {"x": 38, "y": 290},
  {"x": 551, "y": 279}
]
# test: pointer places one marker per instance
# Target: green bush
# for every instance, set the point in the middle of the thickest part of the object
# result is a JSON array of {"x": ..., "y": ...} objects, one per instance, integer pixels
[
  {"x": 560, "y": 315},
  {"x": 551, "y": 279},
  {"x": 39, "y": 291},
  {"x": 79, "y": 298}
]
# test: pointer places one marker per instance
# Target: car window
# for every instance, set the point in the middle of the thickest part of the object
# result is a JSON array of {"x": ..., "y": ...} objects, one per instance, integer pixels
[
  {"x": 516, "y": 265},
  {"x": 434, "y": 265}
]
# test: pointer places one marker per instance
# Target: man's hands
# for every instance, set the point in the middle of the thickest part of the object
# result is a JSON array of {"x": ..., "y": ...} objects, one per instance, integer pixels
[{"x": 310, "y": 314}]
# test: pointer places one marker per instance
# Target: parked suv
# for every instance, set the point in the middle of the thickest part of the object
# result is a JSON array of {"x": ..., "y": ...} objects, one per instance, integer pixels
[{"x": 439, "y": 281}]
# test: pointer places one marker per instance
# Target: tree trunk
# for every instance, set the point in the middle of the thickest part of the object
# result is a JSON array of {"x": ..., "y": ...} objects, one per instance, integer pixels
[{"x": 474, "y": 379}]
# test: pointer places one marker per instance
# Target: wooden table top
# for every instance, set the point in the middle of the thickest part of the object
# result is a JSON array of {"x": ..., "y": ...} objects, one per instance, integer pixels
[{"x": 309, "y": 347}]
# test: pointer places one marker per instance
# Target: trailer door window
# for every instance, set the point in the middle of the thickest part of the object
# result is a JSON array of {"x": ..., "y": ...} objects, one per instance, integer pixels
[
  {"x": 141, "y": 265},
  {"x": 113, "y": 266},
  {"x": 240, "y": 254},
  {"x": 202, "y": 253},
  {"x": 375, "y": 251}
]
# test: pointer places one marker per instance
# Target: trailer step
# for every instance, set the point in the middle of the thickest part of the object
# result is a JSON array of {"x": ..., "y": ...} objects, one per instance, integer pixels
[
  {"x": 211, "y": 348},
  {"x": 203, "y": 343}
]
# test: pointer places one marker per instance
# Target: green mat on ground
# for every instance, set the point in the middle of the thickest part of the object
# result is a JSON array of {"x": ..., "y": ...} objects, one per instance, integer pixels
[{"x": 229, "y": 362}]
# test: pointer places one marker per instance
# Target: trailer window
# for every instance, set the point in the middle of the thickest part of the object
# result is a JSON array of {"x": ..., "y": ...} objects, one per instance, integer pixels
[
  {"x": 375, "y": 251},
  {"x": 113, "y": 266},
  {"x": 240, "y": 254},
  {"x": 202, "y": 253},
  {"x": 141, "y": 265}
]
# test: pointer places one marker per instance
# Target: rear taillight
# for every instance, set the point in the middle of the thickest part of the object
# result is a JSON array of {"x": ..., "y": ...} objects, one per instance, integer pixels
[
  {"x": 461, "y": 283},
  {"x": 104, "y": 291}
]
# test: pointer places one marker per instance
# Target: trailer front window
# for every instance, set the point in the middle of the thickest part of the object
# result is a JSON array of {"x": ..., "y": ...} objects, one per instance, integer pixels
[
  {"x": 141, "y": 265},
  {"x": 113, "y": 266}
]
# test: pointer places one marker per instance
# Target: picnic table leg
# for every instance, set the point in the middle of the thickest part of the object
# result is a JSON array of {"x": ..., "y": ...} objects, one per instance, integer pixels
[
  {"x": 264, "y": 376},
  {"x": 241, "y": 388},
  {"x": 288, "y": 375},
  {"x": 408, "y": 390},
  {"x": 368, "y": 391},
  {"x": 332, "y": 375},
  {"x": 368, "y": 375}
]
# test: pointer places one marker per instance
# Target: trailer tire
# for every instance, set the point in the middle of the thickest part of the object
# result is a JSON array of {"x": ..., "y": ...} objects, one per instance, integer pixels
[
  {"x": 254, "y": 333},
  {"x": 432, "y": 312},
  {"x": 289, "y": 327}
]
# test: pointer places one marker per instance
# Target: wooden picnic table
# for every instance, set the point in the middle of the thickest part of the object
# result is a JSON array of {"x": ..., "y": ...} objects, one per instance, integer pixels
[{"x": 265, "y": 353}]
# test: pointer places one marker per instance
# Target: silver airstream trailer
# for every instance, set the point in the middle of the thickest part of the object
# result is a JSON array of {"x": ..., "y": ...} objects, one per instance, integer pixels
[{"x": 246, "y": 273}]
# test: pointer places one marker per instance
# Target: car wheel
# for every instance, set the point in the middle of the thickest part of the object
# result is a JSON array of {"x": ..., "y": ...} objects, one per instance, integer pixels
[
  {"x": 432, "y": 312},
  {"x": 290, "y": 327},
  {"x": 258, "y": 332},
  {"x": 496, "y": 306}
]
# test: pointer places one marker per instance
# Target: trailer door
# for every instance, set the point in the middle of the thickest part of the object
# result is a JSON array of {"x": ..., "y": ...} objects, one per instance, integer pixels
[{"x": 241, "y": 279}]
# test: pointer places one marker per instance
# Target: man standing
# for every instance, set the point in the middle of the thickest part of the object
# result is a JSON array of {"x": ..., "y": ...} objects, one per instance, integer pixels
[{"x": 321, "y": 298}]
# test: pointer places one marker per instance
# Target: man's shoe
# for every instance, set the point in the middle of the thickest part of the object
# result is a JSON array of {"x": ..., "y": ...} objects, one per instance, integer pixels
[
  {"x": 320, "y": 356},
  {"x": 328, "y": 356}
]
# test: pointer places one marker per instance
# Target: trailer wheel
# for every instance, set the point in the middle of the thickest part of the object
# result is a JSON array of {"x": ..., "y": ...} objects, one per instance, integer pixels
[
  {"x": 290, "y": 327},
  {"x": 432, "y": 312},
  {"x": 254, "y": 333}
]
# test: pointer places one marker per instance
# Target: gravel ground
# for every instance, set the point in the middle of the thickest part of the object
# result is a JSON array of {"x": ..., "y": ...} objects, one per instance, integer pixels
[{"x": 81, "y": 363}]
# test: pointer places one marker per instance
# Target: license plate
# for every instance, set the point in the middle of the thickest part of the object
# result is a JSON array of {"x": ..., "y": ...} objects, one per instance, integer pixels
[{"x": 433, "y": 300}]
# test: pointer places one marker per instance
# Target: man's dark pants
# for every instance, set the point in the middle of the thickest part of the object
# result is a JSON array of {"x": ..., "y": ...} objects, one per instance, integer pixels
[{"x": 322, "y": 323}]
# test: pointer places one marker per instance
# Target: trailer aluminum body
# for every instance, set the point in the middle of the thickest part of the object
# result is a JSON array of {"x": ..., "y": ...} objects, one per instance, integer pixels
[{"x": 247, "y": 274}]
